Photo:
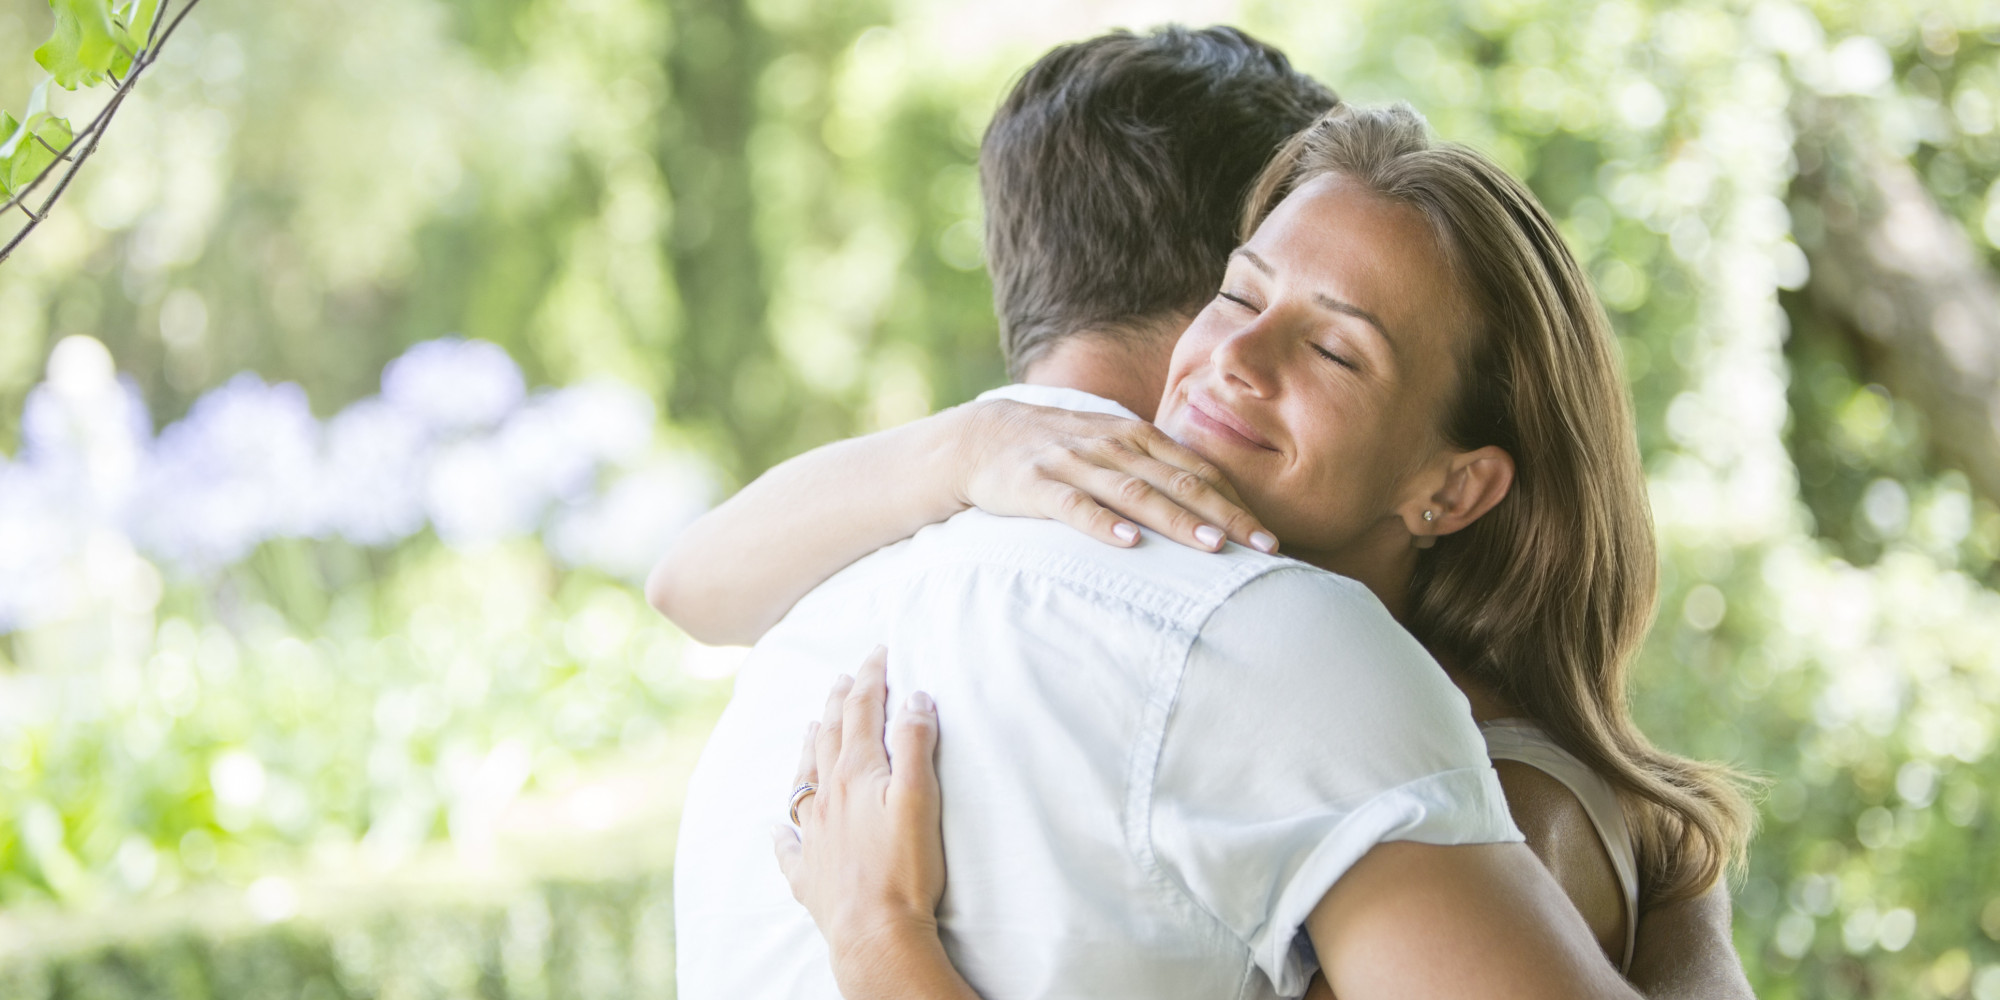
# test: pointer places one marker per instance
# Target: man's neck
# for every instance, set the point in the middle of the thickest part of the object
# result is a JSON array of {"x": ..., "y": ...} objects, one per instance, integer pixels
[{"x": 1129, "y": 369}]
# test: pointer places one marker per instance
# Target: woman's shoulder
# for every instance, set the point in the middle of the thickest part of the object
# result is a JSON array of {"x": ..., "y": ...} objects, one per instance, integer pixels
[
  {"x": 1573, "y": 820},
  {"x": 1562, "y": 788},
  {"x": 1546, "y": 801}
]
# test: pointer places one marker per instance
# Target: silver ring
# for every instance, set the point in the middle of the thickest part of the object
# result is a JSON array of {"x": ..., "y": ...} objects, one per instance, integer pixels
[{"x": 799, "y": 795}]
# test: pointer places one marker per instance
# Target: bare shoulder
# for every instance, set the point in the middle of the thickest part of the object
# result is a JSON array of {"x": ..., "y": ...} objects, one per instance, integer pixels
[
  {"x": 1561, "y": 834},
  {"x": 1544, "y": 808}
]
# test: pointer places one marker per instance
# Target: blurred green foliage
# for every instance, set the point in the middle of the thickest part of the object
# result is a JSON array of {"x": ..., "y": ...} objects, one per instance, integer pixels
[
  {"x": 322, "y": 701},
  {"x": 765, "y": 214},
  {"x": 603, "y": 938}
]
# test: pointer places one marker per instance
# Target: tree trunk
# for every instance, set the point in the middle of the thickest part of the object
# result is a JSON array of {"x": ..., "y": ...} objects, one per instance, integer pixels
[
  {"x": 719, "y": 53},
  {"x": 1892, "y": 267}
]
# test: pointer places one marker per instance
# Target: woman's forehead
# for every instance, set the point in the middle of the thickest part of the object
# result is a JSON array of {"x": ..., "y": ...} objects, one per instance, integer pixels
[{"x": 1335, "y": 237}]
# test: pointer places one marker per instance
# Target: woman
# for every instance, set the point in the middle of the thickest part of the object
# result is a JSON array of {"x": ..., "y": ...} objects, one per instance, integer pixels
[{"x": 1447, "y": 427}]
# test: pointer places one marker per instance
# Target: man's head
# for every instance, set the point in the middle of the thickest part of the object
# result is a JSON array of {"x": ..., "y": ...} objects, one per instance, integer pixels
[{"x": 1115, "y": 175}]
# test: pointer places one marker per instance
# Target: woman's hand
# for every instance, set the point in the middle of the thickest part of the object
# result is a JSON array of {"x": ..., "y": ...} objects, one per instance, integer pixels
[
  {"x": 740, "y": 567},
  {"x": 1099, "y": 474},
  {"x": 867, "y": 858}
]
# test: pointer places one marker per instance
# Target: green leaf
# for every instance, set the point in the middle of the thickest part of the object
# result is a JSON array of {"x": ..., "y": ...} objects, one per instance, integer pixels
[
  {"x": 30, "y": 149},
  {"x": 26, "y": 164},
  {"x": 57, "y": 133},
  {"x": 15, "y": 132},
  {"x": 18, "y": 131},
  {"x": 132, "y": 19},
  {"x": 85, "y": 45},
  {"x": 138, "y": 16}
]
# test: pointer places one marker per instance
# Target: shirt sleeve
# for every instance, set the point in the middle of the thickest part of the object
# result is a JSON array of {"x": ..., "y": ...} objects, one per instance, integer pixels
[{"x": 1309, "y": 727}]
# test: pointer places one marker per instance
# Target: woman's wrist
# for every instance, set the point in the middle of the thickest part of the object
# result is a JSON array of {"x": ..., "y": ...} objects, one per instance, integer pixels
[
  {"x": 949, "y": 445},
  {"x": 898, "y": 958}
]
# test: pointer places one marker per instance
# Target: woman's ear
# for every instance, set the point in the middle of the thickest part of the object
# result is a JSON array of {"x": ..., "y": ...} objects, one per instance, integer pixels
[{"x": 1474, "y": 481}]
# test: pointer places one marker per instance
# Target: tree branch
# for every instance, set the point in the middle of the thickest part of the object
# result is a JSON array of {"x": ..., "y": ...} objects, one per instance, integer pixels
[{"x": 88, "y": 139}]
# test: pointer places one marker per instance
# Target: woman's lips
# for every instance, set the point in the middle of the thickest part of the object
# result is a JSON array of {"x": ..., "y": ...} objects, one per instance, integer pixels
[{"x": 1208, "y": 413}]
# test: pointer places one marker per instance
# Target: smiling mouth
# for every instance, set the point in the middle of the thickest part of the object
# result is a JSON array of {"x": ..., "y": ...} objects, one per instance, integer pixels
[{"x": 1212, "y": 416}]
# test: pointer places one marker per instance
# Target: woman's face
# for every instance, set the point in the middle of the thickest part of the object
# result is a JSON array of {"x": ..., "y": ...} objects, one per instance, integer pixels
[{"x": 1317, "y": 379}]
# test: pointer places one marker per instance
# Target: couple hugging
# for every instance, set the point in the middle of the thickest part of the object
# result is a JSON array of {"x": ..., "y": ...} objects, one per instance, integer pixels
[{"x": 1267, "y": 639}]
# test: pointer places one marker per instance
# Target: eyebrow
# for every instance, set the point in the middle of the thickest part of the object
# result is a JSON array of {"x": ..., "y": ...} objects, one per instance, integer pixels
[{"x": 1321, "y": 298}]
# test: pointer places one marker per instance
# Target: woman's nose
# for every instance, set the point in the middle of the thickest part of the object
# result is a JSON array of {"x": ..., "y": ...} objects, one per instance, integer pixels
[{"x": 1246, "y": 357}]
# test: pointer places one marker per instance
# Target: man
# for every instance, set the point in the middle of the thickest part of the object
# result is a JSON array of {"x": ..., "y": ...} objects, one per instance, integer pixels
[
  {"x": 1114, "y": 175},
  {"x": 1160, "y": 764}
]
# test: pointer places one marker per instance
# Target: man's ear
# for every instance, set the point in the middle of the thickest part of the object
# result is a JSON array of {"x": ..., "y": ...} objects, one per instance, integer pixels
[{"x": 1474, "y": 481}]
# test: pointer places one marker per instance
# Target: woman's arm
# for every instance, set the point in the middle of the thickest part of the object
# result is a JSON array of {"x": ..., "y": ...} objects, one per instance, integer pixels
[
  {"x": 1684, "y": 951},
  {"x": 1414, "y": 920},
  {"x": 868, "y": 862},
  {"x": 868, "y": 857},
  {"x": 739, "y": 568}
]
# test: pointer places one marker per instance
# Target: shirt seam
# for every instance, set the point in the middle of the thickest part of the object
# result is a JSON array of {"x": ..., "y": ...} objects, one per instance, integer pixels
[
  {"x": 1176, "y": 608},
  {"x": 1146, "y": 758},
  {"x": 1151, "y": 743}
]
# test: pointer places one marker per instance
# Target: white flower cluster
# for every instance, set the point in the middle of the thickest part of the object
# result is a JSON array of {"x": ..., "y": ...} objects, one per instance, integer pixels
[{"x": 454, "y": 442}]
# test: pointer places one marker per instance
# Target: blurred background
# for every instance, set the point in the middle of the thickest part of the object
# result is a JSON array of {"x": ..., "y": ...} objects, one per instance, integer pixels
[{"x": 347, "y": 397}]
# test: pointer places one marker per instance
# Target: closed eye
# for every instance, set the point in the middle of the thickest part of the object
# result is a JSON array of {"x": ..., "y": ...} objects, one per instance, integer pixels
[
  {"x": 1323, "y": 352},
  {"x": 1335, "y": 358}
]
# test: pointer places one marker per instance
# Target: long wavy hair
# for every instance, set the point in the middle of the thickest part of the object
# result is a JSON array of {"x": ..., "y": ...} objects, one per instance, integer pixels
[{"x": 1549, "y": 595}]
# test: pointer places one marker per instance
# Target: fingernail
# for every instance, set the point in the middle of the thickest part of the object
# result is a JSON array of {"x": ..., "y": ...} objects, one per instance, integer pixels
[
  {"x": 843, "y": 682},
  {"x": 812, "y": 729},
  {"x": 1263, "y": 541},
  {"x": 1209, "y": 536},
  {"x": 920, "y": 702},
  {"x": 1125, "y": 532}
]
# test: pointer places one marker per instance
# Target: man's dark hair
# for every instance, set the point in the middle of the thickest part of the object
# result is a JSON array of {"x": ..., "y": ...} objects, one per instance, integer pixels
[{"x": 1115, "y": 173}]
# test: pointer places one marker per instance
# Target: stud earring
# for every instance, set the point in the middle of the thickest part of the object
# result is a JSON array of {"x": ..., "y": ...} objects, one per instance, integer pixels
[{"x": 1425, "y": 541}]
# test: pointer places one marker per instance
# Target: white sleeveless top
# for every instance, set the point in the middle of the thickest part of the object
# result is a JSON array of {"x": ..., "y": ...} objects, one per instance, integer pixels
[{"x": 1524, "y": 742}]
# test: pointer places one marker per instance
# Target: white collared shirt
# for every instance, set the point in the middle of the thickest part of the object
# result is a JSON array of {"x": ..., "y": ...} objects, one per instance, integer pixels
[{"x": 1155, "y": 761}]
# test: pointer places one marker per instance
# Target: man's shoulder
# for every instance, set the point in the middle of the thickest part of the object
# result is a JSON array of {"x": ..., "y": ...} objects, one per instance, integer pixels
[
  {"x": 1158, "y": 576},
  {"x": 1324, "y": 638}
]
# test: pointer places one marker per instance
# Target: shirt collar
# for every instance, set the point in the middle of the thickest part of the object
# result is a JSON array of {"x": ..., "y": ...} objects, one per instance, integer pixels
[{"x": 1058, "y": 397}]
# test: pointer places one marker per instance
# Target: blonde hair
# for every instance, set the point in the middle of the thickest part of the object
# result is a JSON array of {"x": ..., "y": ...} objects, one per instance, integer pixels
[{"x": 1549, "y": 595}]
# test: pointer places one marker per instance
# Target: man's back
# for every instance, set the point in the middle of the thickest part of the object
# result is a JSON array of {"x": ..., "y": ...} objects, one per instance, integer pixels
[{"x": 1155, "y": 762}]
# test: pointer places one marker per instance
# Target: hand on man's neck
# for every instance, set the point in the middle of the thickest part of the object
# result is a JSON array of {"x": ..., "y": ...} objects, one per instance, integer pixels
[{"x": 1128, "y": 367}]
